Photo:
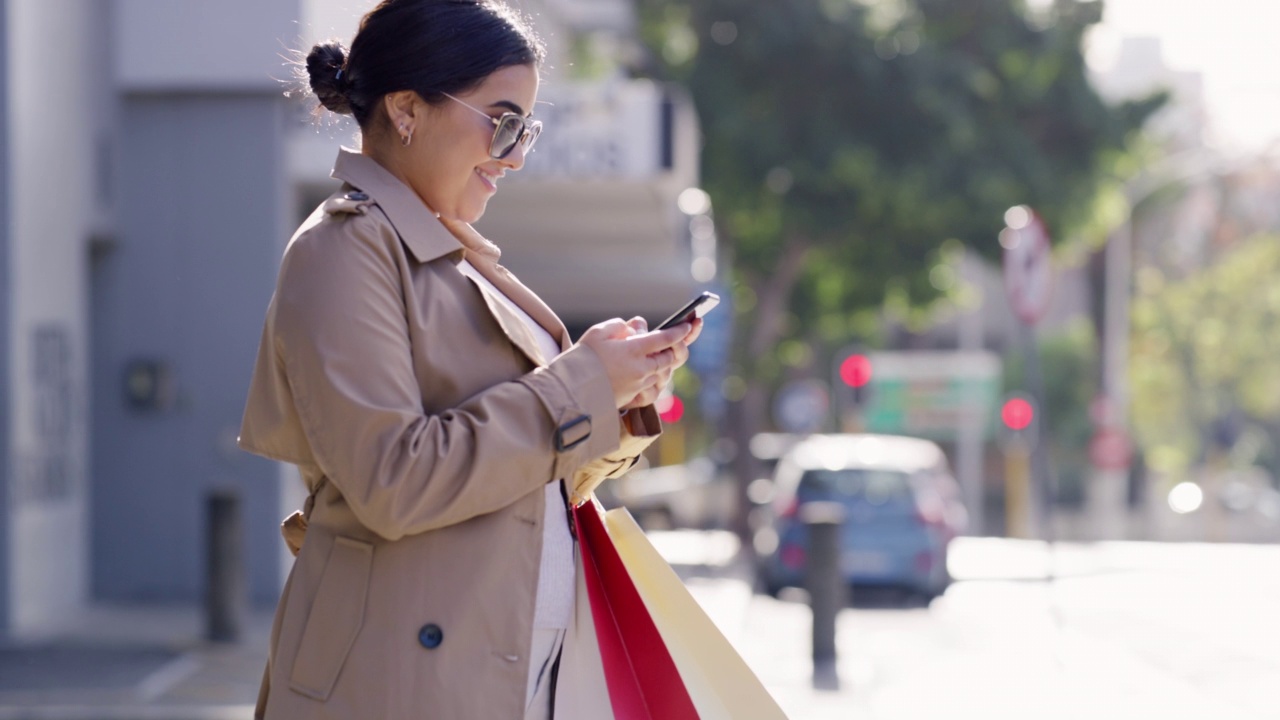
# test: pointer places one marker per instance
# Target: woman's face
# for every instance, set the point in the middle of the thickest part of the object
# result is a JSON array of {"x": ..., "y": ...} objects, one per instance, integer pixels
[{"x": 449, "y": 164}]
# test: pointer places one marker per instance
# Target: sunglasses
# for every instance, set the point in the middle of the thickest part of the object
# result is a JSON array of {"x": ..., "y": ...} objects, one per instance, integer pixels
[{"x": 509, "y": 130}]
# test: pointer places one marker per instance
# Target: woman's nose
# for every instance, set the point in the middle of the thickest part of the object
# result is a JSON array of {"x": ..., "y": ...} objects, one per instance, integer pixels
[{"x": 515, "y": 158}]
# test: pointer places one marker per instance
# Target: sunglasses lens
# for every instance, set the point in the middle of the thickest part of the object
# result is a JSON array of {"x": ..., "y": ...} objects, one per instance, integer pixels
[
  {"x": 506, "y": 136},
  {"x": 531, "y": 135}
]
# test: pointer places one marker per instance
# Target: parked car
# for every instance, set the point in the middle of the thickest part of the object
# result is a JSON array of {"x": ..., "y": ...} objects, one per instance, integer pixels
[{"x": 902, "y": 509}]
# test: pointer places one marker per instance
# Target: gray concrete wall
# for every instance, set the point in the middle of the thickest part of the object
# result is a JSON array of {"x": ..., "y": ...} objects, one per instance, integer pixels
[
  {"x": 51, "y": 81},
  {"x": 203, "y": 208},
  {"x": 6, "y": 470},
  {"x": 182, "y": 45}
]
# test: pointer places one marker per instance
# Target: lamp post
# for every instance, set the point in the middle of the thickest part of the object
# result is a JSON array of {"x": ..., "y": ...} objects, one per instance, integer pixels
[{"x": 1107, "y": 489}]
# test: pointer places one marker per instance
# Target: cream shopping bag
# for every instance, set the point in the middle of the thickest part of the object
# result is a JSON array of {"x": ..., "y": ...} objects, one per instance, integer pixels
[{"x": 719, "y": 682}]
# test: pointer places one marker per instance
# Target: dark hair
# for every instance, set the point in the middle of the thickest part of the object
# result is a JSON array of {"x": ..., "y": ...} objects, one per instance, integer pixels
[{"x": 429, "y": 46}]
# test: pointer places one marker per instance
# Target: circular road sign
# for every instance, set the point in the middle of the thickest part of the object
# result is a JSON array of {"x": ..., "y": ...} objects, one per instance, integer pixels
[
  {"x": 1028, "y": 264},
  {"x": 801, "y": 406},
  {"x": 1110, "y": 449}
]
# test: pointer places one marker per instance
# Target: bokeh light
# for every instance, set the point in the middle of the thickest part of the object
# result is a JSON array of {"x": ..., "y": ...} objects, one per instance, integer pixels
[{"x": 1186, "y": 497}]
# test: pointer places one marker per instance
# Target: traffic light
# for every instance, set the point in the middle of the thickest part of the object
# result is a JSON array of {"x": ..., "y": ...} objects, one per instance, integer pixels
[
  {"x": 1017, "y": 413},
  {"x": 1017, "y": 439},
  {"x": 855, "y": 373},
  {"x": 1018, "y": 421},
  {"x": 851, "y": 387}
]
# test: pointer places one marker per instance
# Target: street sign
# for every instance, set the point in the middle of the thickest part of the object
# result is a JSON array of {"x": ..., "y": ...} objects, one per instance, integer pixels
[
  {"x": 1028, "y": 264},
  {"x": 801, "y": 406},
  {"x": 932, "y": 394},
  {"x": 1110, "y": 449}
]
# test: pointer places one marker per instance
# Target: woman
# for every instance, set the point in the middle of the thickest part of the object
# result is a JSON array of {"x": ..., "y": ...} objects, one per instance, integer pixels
[{"x": 435, "y": 407}]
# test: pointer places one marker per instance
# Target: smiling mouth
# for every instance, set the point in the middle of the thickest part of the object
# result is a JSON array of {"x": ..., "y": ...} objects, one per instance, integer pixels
[{"x": 490, "y": 181}]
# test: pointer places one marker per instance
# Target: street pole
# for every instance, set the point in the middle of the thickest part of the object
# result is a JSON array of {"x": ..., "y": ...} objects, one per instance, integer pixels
[
  {"x": 1042, "y": 490},
  {"x": 1017, "y": 471},
  {"x": 1107, "y": 490},
  {"x": 970, "y": 433},
  {"x": 1028, "y": 274},
  {"x": 826, "y": 585},
  {"x": 225, "y": 589},
  {"x": 1106, "y": 493}
]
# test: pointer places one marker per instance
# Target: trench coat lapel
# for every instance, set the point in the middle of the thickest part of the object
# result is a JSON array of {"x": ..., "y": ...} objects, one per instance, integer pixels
[
  {"x": 484, "y": 256},
  {"x": 429, "y": 237},
  {"x": 512, "y": 326}
]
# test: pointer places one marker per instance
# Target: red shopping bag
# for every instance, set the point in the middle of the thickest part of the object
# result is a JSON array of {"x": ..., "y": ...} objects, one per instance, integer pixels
[{"x": 642, "y": 679}]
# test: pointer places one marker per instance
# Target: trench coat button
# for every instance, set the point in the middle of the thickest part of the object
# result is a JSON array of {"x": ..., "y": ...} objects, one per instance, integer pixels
[
  {"x": 357, "y": 196},
  {"x": 430, "y": 636}
]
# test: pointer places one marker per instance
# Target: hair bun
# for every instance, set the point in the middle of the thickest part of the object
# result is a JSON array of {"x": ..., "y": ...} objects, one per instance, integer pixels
[{"x": 325, "y": 65}]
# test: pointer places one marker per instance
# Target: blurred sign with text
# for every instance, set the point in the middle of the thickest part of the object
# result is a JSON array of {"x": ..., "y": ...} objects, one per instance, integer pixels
[{"x": 932, "y": 394}]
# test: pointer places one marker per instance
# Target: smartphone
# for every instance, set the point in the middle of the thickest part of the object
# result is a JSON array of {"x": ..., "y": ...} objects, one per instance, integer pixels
[{"x": 696, "y": 308}]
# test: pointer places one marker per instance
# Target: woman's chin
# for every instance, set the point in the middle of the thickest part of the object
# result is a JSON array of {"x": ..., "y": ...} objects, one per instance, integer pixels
[{"x": 473, "y": 213}]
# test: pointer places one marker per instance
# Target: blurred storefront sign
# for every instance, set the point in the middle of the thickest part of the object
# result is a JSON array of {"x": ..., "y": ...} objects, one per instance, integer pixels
[
  {"x": 932, "y": 394},
  {"x": 616, "y": 130}
]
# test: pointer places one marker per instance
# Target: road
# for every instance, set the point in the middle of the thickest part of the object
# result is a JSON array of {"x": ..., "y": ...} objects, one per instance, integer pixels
[
  {"x": 1129, "y": 631},
  {"x": 1124, "y": 630}
]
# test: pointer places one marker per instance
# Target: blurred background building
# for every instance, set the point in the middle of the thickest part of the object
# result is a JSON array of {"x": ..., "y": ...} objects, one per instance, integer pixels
[{"x": 151, "y": 170}]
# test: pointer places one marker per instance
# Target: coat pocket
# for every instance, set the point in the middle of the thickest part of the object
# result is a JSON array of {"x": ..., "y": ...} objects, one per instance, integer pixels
[{"x": 337, "y": 612}]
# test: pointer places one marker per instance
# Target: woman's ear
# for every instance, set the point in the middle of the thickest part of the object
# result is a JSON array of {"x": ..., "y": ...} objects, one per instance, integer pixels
[{"x": 403, "y": 110}]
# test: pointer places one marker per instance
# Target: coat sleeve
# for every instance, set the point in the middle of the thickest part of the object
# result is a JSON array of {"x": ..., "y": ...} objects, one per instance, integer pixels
[
  {"x": 640, "y": 427},
  {"x": 341, "y": 334}
]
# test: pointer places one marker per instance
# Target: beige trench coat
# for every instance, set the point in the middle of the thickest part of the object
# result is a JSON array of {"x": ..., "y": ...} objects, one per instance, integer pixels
[{"x": 425, "y": 424}]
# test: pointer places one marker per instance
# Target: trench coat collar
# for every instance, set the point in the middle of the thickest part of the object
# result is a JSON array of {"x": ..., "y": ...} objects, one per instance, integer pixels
[
  {"x": 429, "y": 236},
  {"x": 422, "y": 231}
]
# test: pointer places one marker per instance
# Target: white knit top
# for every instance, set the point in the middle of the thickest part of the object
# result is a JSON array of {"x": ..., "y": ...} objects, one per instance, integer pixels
[{"x": 554, "y": 605}]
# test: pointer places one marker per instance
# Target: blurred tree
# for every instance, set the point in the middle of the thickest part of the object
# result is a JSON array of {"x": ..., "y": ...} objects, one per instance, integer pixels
[
  {"x": 847, "y": 140},
  {"x": 1203, "y": 357}
]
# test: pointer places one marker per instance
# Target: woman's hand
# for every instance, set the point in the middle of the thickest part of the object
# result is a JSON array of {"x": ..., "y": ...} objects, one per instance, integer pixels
[{"x": 639, "y": 363}]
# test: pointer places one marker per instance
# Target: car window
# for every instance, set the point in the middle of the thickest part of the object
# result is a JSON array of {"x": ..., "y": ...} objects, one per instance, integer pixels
[{"x": 877, "y": 487}]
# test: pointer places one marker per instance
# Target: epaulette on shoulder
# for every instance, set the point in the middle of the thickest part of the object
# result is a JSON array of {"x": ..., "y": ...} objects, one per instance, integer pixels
[{"x": 350, "y": 203}]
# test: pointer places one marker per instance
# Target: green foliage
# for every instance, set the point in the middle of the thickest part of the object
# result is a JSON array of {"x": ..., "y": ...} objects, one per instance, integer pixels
[
  {"x": 875, "y": 131},
  {"x": 1203, "y": 348}
]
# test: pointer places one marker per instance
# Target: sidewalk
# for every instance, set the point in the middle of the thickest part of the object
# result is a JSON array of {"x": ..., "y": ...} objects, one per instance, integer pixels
[
  {"x": 773, "y": 636},
  {"x": 135, "y": 663},
  {"x": 139, "y": 663},
  {"x": 1134, "y": 630}
]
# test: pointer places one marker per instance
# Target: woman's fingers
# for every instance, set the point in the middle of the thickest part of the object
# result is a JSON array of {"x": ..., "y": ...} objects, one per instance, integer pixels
[
  {"x": 639, "y": 362},
  {"x": 656, "y": 341}
]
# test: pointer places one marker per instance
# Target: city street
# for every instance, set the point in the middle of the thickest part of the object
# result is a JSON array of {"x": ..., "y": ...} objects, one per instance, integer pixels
[{"x": 1125, "y": 630}]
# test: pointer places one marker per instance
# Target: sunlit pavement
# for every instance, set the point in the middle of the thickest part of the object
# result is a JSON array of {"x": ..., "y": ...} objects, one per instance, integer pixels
[
  {"x": 1123, "y": 630},
  {"x": 1108, "y": 630}
]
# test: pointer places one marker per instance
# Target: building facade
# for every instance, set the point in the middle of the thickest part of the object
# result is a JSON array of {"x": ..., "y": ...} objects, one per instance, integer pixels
[{"x": 151, "y": 170}]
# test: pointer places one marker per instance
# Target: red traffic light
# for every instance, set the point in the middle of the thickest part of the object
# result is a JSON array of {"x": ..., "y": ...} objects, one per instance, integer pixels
[
  {"x": 855, "y": 371},
  {"x": 670, "y": 409},
  {"x": 1017, "y": 413}
]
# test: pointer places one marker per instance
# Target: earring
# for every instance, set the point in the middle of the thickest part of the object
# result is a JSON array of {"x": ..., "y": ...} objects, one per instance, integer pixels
[{"x": 405, "y": 137}]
